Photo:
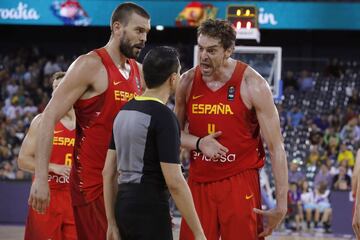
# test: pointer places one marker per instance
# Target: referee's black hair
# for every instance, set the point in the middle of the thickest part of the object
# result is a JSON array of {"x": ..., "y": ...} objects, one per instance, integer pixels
[{"x": 159, "y": 63}]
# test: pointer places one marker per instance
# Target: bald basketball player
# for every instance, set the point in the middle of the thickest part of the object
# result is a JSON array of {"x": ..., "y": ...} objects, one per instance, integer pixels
[
  {"x": 98, "y": 84},
  {"x": 58, "y": 221},
  {"x": 226, "y": 103}
]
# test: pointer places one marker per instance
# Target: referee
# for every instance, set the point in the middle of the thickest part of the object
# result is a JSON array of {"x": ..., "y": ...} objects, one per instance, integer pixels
[{"x": 143, "y": 160}]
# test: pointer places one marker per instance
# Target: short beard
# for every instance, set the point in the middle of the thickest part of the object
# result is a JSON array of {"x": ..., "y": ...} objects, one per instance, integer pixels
[{"x": 127, "y": 50}]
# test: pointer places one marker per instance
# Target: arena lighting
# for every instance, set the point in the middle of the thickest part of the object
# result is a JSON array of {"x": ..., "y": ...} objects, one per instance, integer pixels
[
  {"x": 159, "y": 27},
  {"x": 244, "y": 18}
]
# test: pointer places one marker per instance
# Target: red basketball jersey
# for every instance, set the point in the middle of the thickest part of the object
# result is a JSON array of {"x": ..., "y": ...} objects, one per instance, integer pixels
[
  {"x": 62, "y": 153},
  {"x": 94, "y": 121},
  {"x": 223, "y": 110}
]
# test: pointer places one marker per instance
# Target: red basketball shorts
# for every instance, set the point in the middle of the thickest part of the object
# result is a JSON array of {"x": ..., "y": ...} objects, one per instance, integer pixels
[
  {"x": 58, "y": 221},
  {"x": 91, "y": 220},
  {"x": 225, "y": 208}
]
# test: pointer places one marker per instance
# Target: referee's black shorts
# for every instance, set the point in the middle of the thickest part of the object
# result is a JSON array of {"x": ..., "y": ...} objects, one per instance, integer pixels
[{"x": 142, "y": 212}]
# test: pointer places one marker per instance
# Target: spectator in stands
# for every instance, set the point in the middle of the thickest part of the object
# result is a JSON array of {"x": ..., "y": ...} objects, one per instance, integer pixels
[
  {"x": 5, "y": 153},
  {"x": 294, "y": 174},
  {"x": 321, "y": 122},
  {"x": 294, "y": 117},
  {"x": 290, "y": 82},
  {"x": 323, "y": 176},
  {"x": 322, "y": 206},
  {"x": 314, "y": 158},
  {"x": 331, "y": 138},
  {"x": 266, "y": 192},
  {"x": 334, "y": 69},
  {"x": 305, "y": 82},
  {"x": 355, "y": 98},
  {"x": 335, "y": 119},
  {"x": 331, "y": 164},
  {"x": 282, "y": 116},
  {"x": 7, "y": 171},
  {"x": 308, "y": 202},
  {"x": 346, "y": 154},
  {"x": 351, "y": 131},
  {"x": 341, "y": 181},
  {"x": 294, "y": 205},
  {"x": 349, "y": 114},
  {"x": 51, "y": 66}
]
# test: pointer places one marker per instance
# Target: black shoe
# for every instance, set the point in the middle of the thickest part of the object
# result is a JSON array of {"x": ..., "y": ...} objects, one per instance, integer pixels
[
  {"x": 327, "y": 227},
  {"x": 328, "y": 230}
]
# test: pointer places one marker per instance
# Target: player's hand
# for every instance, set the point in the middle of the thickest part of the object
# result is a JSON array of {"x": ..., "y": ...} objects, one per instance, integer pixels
[
  {"x": 39, "y": 198},
  {"x": 112, "y": 232},
  {"x": 211, "y": 148},
  {"x": 59, "y": 169},
  {"x": 356, "y": 223},
  {"x": 275, "y": 216}
]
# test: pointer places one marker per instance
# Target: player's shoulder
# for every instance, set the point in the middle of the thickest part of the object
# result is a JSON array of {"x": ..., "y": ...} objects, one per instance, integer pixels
[
  {"x": 89, "y": 62},
  {"x": 189, "y": 75},
  {"x": 254, "y": 80},
  {"x": 35, "y": 121},
  {"x": 187, "y": 79},
  {"x": 87, "y": 68}
]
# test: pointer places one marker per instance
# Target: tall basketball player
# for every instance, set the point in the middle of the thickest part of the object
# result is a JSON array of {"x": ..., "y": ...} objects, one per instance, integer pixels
[
  {"x": 98, "y": 84},
  {"x": 58, "y": 221},
  {"x": 226, "y": 104}
]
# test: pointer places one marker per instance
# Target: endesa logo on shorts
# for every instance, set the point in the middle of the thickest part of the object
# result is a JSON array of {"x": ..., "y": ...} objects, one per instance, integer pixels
[
  {"x": 231, "y": 157},
  {"x": 58, "y": 179},
  {"x": 70, "y": 12}
]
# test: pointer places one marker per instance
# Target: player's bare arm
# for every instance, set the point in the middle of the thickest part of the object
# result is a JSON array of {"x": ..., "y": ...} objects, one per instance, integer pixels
[
  {"x": 356, "y": 192},
  {"x": 356, "y": 217},
  {"x": 82, "y": 80},
  {"x": 256, "y": 94},
  {"x": 356, "y": 172},
  {"x": 110, "y": 190},
  {"x": 26, "y": 160},
  {"x": 208, "y": 144},
  {"x": 182, "y": 196}
]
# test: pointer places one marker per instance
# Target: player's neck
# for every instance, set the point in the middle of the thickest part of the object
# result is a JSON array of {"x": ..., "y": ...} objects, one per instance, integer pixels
[
  {"x": 223, "y": 73},
  {"x": 112, "y": 48}
]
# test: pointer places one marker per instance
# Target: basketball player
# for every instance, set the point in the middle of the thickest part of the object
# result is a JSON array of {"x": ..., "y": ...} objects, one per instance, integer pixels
[
  {"x": 58, "y": 221},
  {"x": 356, "y": 193},
  {"x": 145, "y": 153},
  {"x": 226, "y": 103},
  {"x": 98, "y": 84}
]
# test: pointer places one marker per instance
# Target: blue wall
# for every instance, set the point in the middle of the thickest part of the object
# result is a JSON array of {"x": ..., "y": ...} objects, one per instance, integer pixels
[
  {"x": 272, "y": 15},
  {"x": 13, "y": 201}
]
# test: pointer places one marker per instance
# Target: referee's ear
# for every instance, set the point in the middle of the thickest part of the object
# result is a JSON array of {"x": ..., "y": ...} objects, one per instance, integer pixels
[{"x": 174, "y": 78}]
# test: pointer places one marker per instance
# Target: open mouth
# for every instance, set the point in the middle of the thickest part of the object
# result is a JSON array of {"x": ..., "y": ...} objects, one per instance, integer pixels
[{"x": 205, "y": 66}]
